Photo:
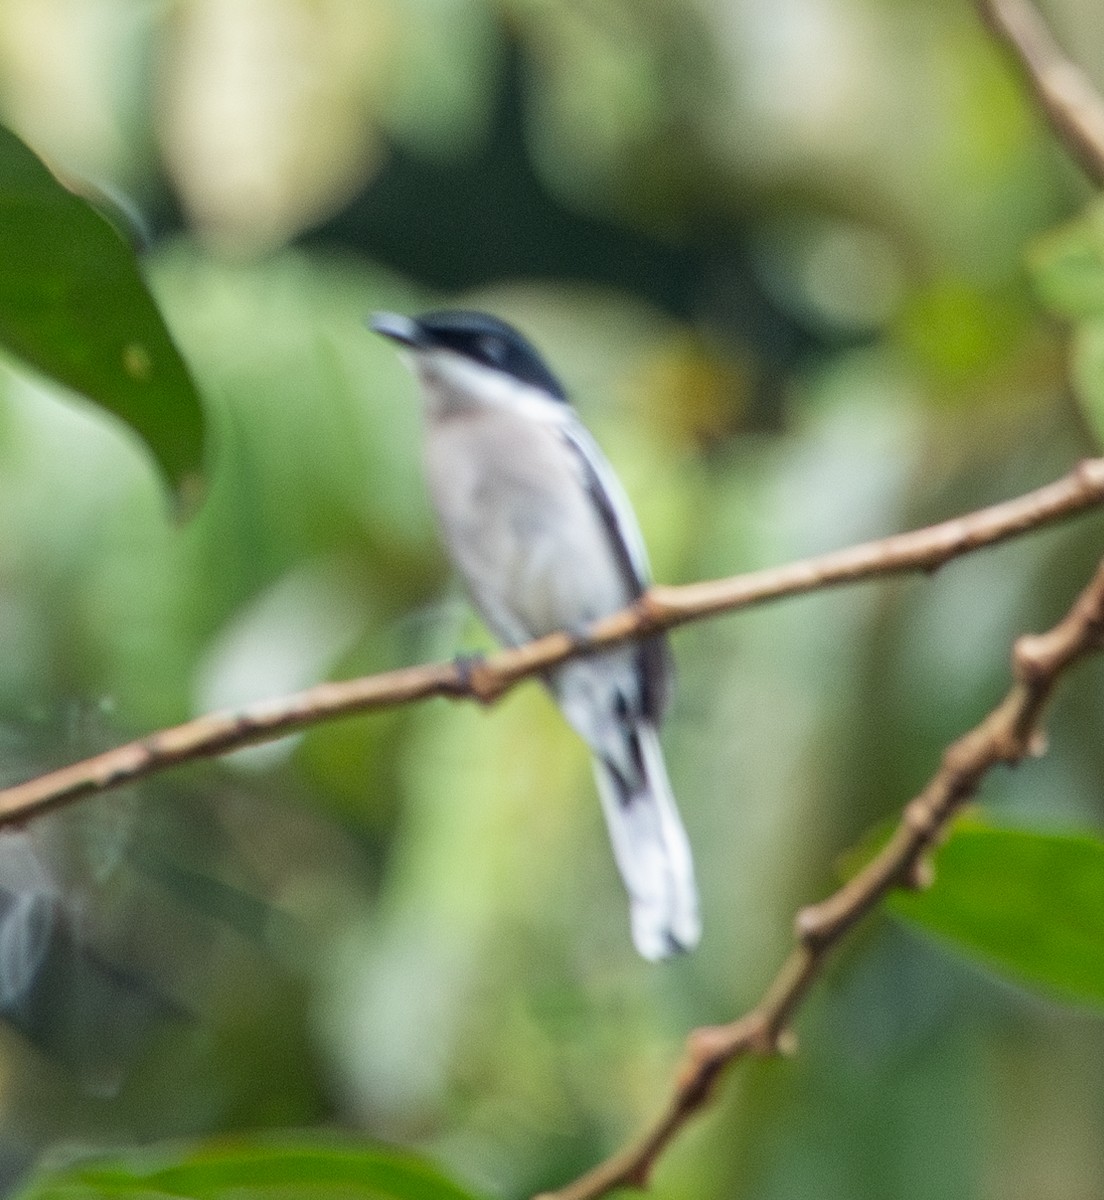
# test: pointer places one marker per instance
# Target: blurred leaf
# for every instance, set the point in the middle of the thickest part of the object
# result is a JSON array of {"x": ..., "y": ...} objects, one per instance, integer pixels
[
  {"x": 1068, "y": 267},
  {"x": 1027, "y": 904},
  {"x": 244, "y": 1170},
  {"x": 73, "y": 304}
]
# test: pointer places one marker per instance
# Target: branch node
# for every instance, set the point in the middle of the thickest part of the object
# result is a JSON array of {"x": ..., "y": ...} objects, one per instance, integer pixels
[
  {"x": 1090, "y": 476},
  {"x": 476, "y": 679},
  {"x": 707, "y": 1050},
  {"x": 919, "y": 816},
  {"x": 919, "y": 875},
  {"x": 1037, "y": 743},
  {"x": 710, "y": 1048},
  {"x": 1012, "y": 743},
  {"x": 786, "y": 1043},
  {"x": 1031, "y": 660},
  {"x": 811, "y": 926},
  {"x": 649, "y": 610}
]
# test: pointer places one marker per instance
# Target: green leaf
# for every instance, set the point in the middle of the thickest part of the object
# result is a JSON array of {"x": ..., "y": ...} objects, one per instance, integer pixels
[
  {"x": 258, "y": 1169},
  {"x": 1068, "y": 270},
  {"x": 1067, "y": 266},
  {"x": 1028, "y": 905},
  {"x": 73, "y": 304}
]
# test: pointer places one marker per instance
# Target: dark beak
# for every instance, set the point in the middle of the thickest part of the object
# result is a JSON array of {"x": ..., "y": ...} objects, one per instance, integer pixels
[{"x": 398, "y": 328}]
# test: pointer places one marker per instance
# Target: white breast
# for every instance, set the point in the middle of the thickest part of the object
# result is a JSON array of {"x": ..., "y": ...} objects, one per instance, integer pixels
[{"x": 519, "y": 524}]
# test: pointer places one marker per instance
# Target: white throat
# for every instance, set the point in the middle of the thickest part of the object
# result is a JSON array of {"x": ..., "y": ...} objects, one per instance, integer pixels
[{"x": 453, "y": 384}]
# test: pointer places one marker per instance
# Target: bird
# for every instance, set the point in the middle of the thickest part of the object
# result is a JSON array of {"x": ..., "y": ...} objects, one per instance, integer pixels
[{"x": 541, "y": 532}]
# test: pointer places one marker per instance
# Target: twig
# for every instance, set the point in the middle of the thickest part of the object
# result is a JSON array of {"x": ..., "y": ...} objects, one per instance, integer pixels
[
  {"x": 1007, "y": 735},
  {"x": 660, "y": 608},
  {"x": 1072, "y": 104}
]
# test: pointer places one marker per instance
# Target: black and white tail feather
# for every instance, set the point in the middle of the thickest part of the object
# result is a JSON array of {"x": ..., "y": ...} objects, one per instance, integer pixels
[
  {"x": 651, "y": 850},
  {"x": 539, "y": 527}
]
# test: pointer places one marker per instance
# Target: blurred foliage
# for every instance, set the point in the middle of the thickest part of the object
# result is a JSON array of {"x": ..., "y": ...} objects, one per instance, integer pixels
[
  {"x": 777, "y": 252},
  {"x": 1069, "y": 274},
  {"x": 238, "y": 1172}
]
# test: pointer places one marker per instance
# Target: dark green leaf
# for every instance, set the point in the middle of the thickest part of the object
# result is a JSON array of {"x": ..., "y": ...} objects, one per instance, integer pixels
[
  {"x": 1027, "y": 904},
  {"x": 73, "y": 304},
  {"x": 262, "y": 1169}
]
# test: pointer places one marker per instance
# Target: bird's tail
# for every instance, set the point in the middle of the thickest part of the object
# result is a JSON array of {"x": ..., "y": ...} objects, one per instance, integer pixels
[{"x": 651, "y": 850}]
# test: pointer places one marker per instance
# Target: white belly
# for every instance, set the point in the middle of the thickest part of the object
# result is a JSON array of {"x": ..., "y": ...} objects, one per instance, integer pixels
[{"x": 528, "y": 542}]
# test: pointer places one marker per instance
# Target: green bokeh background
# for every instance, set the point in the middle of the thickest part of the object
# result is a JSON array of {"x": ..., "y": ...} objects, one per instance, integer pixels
[{"x": 778, "y": 253}]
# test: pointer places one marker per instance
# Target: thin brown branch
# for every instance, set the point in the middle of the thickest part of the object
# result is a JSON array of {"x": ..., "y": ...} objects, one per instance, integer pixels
[
  {"x": 1072, "y": 104},
  {"x": 661, "y": 608},
  {"x": 1008, "y": 734}
]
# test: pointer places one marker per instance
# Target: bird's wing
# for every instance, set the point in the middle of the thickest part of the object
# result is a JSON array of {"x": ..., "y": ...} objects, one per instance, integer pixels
[
  {"x": 610, "y": 501},
  {"x": 627, "y": 544}
]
